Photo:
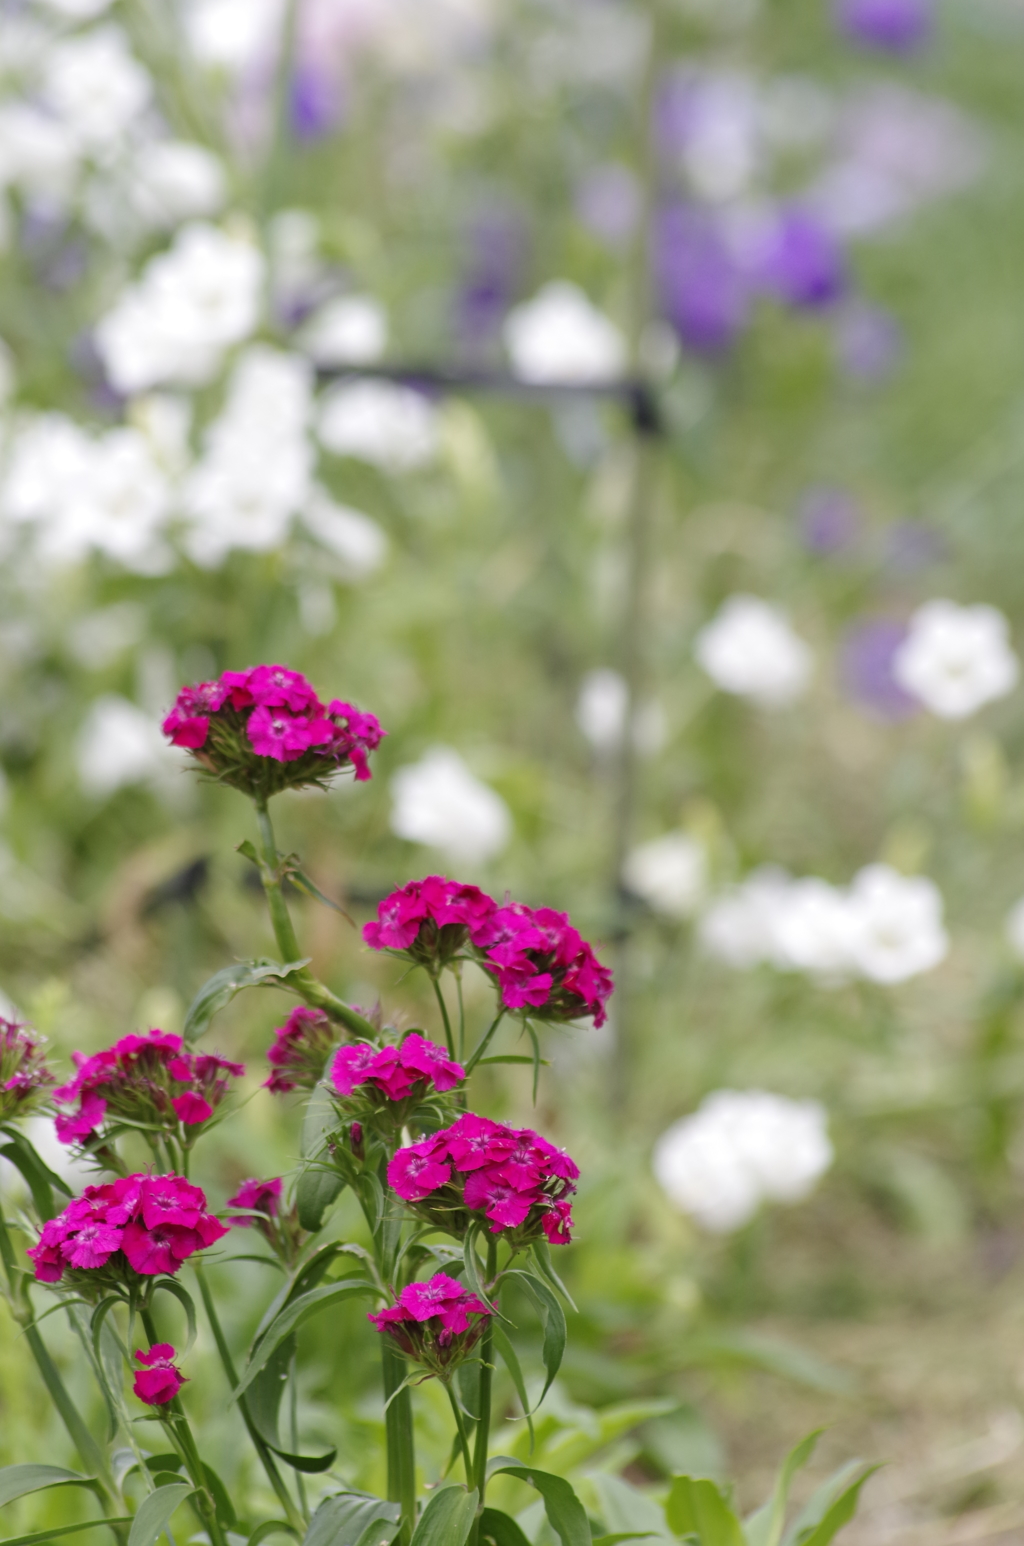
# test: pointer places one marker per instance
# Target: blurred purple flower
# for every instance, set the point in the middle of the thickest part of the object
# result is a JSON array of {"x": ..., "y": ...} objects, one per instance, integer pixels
[
  {"x": 802, "y": 263},
  {"x": 900, "y": 26},
  {"x": 701, "y": 288},
  {"x": 496, "y": 256},
  {"x": 865, "y": 667},
  {"x": 608, "y": 203},
  {"x": 317, "y": 104},
  {"x": 911, "y": 546},
  {"x": 869, "y": 342},
  {"x": 830, "y": 520}
]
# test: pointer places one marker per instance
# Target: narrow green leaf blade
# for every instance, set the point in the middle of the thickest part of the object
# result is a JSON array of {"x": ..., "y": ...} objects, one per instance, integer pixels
[
  {"x": 553, "y": 1317},
  {"x": 498, "y": 1529},
  {"x": 343, "y": 1520},
  {"x": 840, "y": 1514},
  {"x": 44, "y": 1537},
  {"x": 292, "y": 1317},
  {"x": 566, "y": 1514},
  {"x": 271, "y": 1527},
  {"x": 220, "y": 989},
  {"x": 767, "y": 1525},
  {"x": 16, "y": 1481},
  {"x": 155, "y": 1513},
  {"x": 184, "y": 1298},
  {"x": 317, "y": 1188},
  {"x": 38, "y": 1177},
  {"x": 447, "y": 1518},
  {"x": 510, "y": 1356},
  {"x": 696, "y": 1507}
]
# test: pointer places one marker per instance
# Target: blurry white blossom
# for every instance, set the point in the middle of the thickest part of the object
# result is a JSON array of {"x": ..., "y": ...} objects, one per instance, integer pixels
[
  {"x": 191, "y": 303},
  {"x": 739, "y": 927},
  {"x": 897, "y": 924},
  {"x": 232, "y": 34},
  {"x": 742, "y": 1148},
  {"x": 256, "y": 468},
  {"x": 118, "y": 745},
  {"x": 438, "y": 802},
  {"x": 79, "y": 10},
  {"x": 173, "y": 180},
  {"x": 720, "y": 149},
  {"x": 165, "y": 419},
  {"x": 749, "y": 648},
  {"x": 38, "y": 155},
  {"x": 669, "y": 874},
  {"x": 95, "y": 86},
  {"x": 601, "y": 708},
  {"x": 560, "y": 336},
  {"x": 955, "y": 659},
  {"x": 349, "y": 330},
  {"x": 814, "y": 929},
  {"x": 391, "y": 426},
  {"x": 1014, "y": 928},
  {"x": 354, "y": 538}
]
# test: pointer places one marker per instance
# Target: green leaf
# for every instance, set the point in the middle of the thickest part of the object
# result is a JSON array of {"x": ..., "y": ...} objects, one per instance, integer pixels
[
  {"x": 496, "y": 1528},
  {"x": 508, "y": 1353},
  {"x": 627, "y": 1510},
  {"x": 155, "y": 1513},
  {"x": 447, "y": 1518},
  {"x": 18, "y": 1480},
  {"x": 696, "y": 1507},
  {"x": 554, "y": 1326},
  {"x": 184, "y": 1298},
  {"x": 44, "y": 1537},
  {"x": 319, "y": 1120},
  {"x": 766, "y": 1526},
  {"x": 382, "y": 1533},
  {"x": 820, "y": 1501},
  {"x": 221, "y": 988},
  {"x": 302, "y": 881},
  {"x": 263, "y": 1532},
  {"x": 566, "y": 1514},
  {"x": 223, "y": 1506},
  {"x": 513, "y": 1057},
  {"x": 542, "y": 1256},
  {"x": 263, "y": 1399},
  {"x": 769, "y": 1353},
  {"x": 39, "y": 1179},
  {"x": 628, "y": 1535},
  {"x": 292, "y": 1317},
  {"x": 317, "y": 1188},
  {"x": 840, "y": 1514},
  {"x": 343, "y": 1520},
  {"x": 472, "y": 1265}
]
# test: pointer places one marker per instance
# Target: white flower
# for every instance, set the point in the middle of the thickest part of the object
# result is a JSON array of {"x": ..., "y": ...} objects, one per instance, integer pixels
[
  {"x": 123, "y": 502},
  {"x": 897, "y": 928},
  {"x": 118, "y": 745},
  {"x": 37, "y": 153},
  {"x": 232, "y": 34},
  {"x": 438, "y": 802},
  {"x": 350, "y": 535},
  {"x": 350, "y": 330},
  {"x": 955, "y": 659},
  {"x": 750, "y": 649},
  {"x": 96, "y": 87},
  {"x": 814, "y": 928},
  {"x": 669, "y": 873},
  {"x": 601, "y": 708},
  {"x": 393, "y": 427},
  {"x": 79, "y": 10},
  {"x": 49, "y": 461},
  {"x": 1015, "y": 928},
  {"x": 560, "y": 336},
  {"x": 172, "y": 180},
  {"x": 192, "y": 303},
  {"x": 257, "y": 466},
  {"x": 740, "y": 1149},
  {"x": 739, "y": 927}
]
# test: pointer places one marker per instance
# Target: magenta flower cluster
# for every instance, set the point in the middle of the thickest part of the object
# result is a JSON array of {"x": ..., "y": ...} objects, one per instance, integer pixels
[
  {"x": 246, "y": 720},
  {"x": 256, "y": 1197},
  {"x": 394, "y": 1073},
  {"x": 513, "y": 1178},
  {"x": 542, "y": 965},
  {"x": 138, "y": 1226},
  {"x": 298, "y": 1055},
  {"x": 24, "y": 1076},
  {"x": 159, "y": 1379},
  {"x": 148, "y": 1079},
  {"x": 436, "y": 1323}
]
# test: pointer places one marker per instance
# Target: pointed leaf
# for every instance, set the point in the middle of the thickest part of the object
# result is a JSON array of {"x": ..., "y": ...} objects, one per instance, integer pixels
[
  {"x": 263, "y": 1398},
  {"x": 44, "y": 1537},
  {"x": 542, "y": 1256},
  {"x": 554, "y": 1326},
  {"x": 38, "y": 1177},
  {"x": 302, "y": 881},
  {"x": 343, "y": 1520},
  {"x": 184, "y": 1298},
  {"x": 766, "y": 1526},
  {"x": 379, "y": 1534},
  {"x": 696, "y": 1507},
  {"x": 292, "y": 1317},
  {"x": 316, "y": 1190},
  {"x": 447, "y": 1518},
  {"x": 840, "y": 1514},
  {"x": 820, "y": 1501},
  {"x": 498, "y": 1529},
  {"x": 18, "y": 1480},
  {"x": 508, "y": 1353},
  {"x": 271, "y": 1527},
  {"x": 155, "y": 1513},
  {"x": 566, "y": 1514},
  {"x": 220, "y": 989}
]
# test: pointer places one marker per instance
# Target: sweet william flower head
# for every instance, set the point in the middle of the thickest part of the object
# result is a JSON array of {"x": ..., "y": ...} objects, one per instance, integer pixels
[
  {"x": 429, "y": 921},
  {"x": 438, "y": 1323},
  {"x": 24, "y": 1075},
  {"x": 159, "y": 1379},
  {"x": 265, "y": 730},
  {"x": 386, "y": 1085},
  {"x": 542, "y": 966},
  {"x": 300, "y": 1051}
]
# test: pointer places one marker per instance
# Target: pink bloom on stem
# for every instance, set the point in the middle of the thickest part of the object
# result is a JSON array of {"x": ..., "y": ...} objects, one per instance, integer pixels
[
  {"x": 192, "y": 1108},
  {"x": 522, "y": 986},
  {"x": 503, "y": 1204},
  {"x": 92, "y": 1246},
  {"x": 474, "y": 1142},
  {"x": 276, "y": 733},
  {"x": 160, "y": 1379},
  {"x": 187, "y": 730},
  {"x": 277, "y": 687},
  {"x": 431, "y": 1061},
  {"x": 299, "y": 1051},
  {"x": 387, "y": 1317},
  {"x": 557, "y": 1222},
  {"x": 210, "y": 1230},
  {"x": 423, "y": 1300},
  {"x": 81, "y": 1125},
  {"x": 352, "y": 1065},
  {"x": 171, "y": 1200},
  {"x": 414, "y": 1172},
  {"x": 151, "y": 1252},
  {"x": 259, "y": 1197}
]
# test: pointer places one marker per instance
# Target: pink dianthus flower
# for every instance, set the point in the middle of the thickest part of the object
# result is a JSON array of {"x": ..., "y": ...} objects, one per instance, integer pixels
[
  {"x": 437, "y": 1323},
  {"x": 24, "y": 1076},
  {"x": 300, "y": 1050},
  {"x": 160, "y": 1379}
]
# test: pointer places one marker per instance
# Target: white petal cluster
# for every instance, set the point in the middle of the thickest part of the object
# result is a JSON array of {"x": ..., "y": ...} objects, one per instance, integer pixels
[
  {"x": 956, "y": 659},
  {"x": 232, "y": 34},
  {"x": 118, "y": 745},
  {"x": 669, "y": 874},
  {"x": 38, "y": 154},
  {"x": 750, "y": 649},
  {"x": 392, "y": 427},
  {"x": 192, "y": 303},
  {"x": 174, "y": 180},
  {"x": 741, "y": 1149},
  {"x": 356, "y": 541},
  {"x": 561, "y": 336},
  {"x": 257, "y": 466},
  {"x": 94, "y": 86},
  {"x": 440, "y": 803},
  {"x": 886, "y": 927},
  {"x": 349, "y": 330}
]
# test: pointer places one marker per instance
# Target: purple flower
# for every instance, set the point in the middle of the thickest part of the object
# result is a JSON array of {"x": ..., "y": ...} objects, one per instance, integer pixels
[
  {"x": 830, "y": 520},
  {"x": 899, "y": 26},
  {"x": 700, "y": 286},
  {"x": 866, "y": 667},
  {"x": 317, "y": 104},
  {"x": 869, "y": 342},
  {"x": 495, "y": 258},
  {"x": 802, "y": 263},
  {"x": 608, "y": 203}
]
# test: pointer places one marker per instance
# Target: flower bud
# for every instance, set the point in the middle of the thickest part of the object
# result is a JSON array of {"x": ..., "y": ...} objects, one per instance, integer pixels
[
  {"x": 24, "y": 1075},
  {"x": 299, "y": 1054},
  {"x": 437, "y": 1323}
]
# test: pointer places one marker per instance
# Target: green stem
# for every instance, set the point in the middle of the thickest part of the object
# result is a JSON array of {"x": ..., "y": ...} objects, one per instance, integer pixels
[
  {"x": 399, "y": 1434},
  {"x": 259, "y": 1443},
  {"x": 300, "y": 1485},
  {"x": 484, "y": 1042},
  {"x": 449, "y": 1038},
  {"x": 483, "y": 1429},
  {"x": 463, "y": 1435},
  {"x": 462, "y": 1013},
  {"x": 308, "y": 986},
  {"x": 180, "y": 1432}
]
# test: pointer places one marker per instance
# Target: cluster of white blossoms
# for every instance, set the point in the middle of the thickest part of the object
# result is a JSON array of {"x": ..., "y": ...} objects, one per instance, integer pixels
[
  {"x": 669, "y": 873},
  {"x": 438, "y": 802},
  {"x": 885, "y": 927},
  {"x": 750, "y": 649},
  {"x": 741, "y": 1149},
  {"x": 560, "y": 336}
]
